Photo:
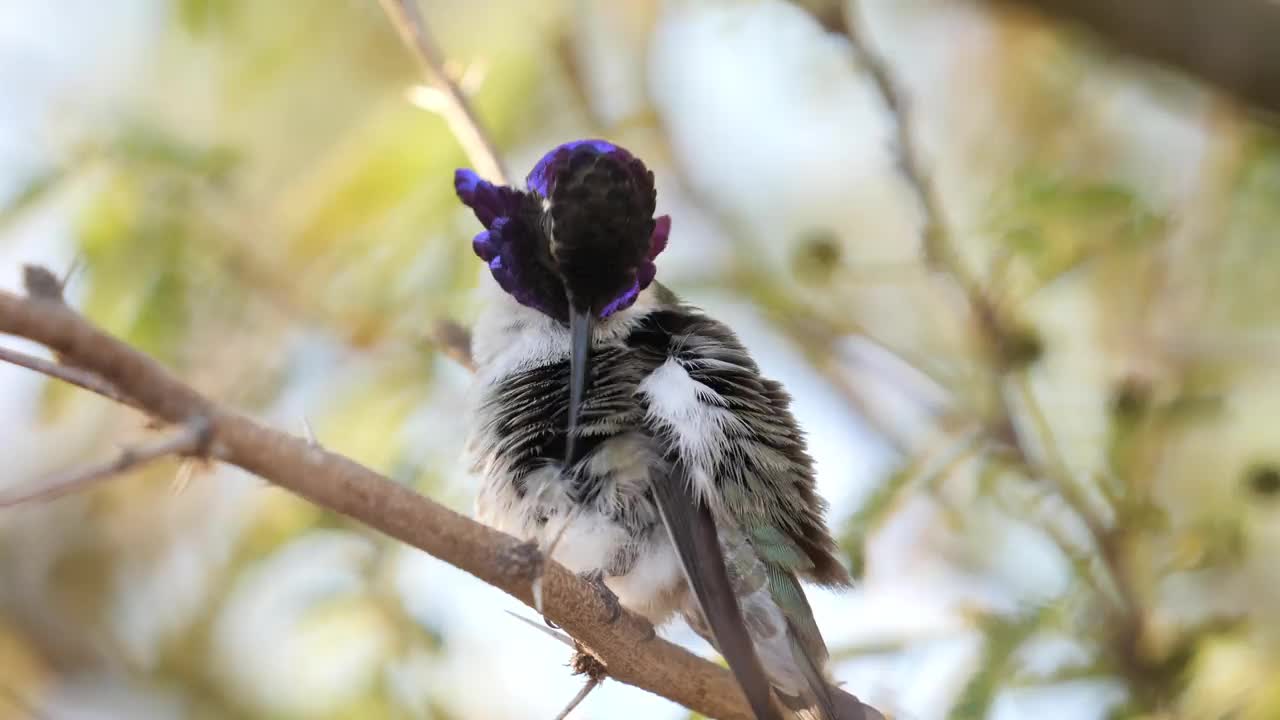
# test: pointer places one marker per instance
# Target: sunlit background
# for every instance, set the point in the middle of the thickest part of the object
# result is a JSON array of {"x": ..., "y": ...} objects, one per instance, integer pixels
[{"x": 1049, "y": 449}]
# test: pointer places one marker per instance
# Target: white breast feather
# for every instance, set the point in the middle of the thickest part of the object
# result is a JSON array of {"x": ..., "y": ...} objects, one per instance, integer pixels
[{"x": 695, "y": 415}]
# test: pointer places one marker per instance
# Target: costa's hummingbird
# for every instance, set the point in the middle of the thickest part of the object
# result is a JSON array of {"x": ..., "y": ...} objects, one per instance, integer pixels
[{"x": 633, "y": 435}]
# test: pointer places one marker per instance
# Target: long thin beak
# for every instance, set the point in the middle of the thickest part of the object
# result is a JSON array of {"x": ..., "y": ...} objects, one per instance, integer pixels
[{"x": 580, "y": 327}]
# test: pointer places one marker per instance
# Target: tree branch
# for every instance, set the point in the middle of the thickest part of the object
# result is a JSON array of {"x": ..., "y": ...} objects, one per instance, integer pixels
[
  {"x": 938, "y": 250},
  {"x": 70, "y": 375},
  {"x": 1230, "y": 44},
  {"x": 628, "y": 647},
  {"x": 1033, "y": 448},
  {"x": 1003, "y": 338},
  {"x": 455, "y": 108},
  {"x": 592, "y": 684},
  {"x": 192, "y": 439}
]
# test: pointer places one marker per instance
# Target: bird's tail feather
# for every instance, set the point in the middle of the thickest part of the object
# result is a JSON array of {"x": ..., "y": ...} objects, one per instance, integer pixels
[{"x": 814, "y": 702}]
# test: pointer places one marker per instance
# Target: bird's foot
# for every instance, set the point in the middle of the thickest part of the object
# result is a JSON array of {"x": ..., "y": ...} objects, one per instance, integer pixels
[
  {"x": 596, "y": 579},
  {"x": 525, "y": 561}
]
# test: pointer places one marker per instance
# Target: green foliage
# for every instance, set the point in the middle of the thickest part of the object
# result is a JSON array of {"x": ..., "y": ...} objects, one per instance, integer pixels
[
  {"x": 1053, "y": 224},
  {"x": 1244, "y": 296},
  {"x": 1004, "y": 638},
  {"x": 202, "y": 16}
]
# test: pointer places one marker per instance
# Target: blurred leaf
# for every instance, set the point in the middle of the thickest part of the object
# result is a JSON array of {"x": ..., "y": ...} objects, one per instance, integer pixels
[
  {"x": 155, "y": 149},
  {"x": 1232, "y": 678},
  {"x": 928, "y": 469},
  {"x": 857, "y": 530},
  {"x": 132, "y": 238},
  {"x": 278, "y": 517},
  {"x": 201, "y": 16},
  {"x": 1244, "y": 296},
  {"x": 81, "y": 584},
  {"x": 26, "y": 676},
  {"x": 32, "y": 193},
  {"x": 817, "y": 256},
  {"x": 1055, "y": 223},
  {"x": 365, "y": 423},
  {"x": 1004, "y": 636}
]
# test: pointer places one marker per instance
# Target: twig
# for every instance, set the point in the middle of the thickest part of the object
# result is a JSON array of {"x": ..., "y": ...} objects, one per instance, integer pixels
[
  {"x": 70, "y": 375},
  {"x": 592, "y": 684},
  {"x": 941, "y": 254},
  {"x": 626, "y": 645},
  {"x": 595, "y": 671},
  {"x": 192, "y": 439},
  {"x": 455, "y": 108},
  {"x": 939, "y": 251},
  {"x": 543, "y": 629}
]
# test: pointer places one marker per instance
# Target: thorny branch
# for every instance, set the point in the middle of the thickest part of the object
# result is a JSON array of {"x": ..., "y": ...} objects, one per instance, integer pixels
[
  {"x": 627, "y": 647},
  {"x": 191, "y": 440},
  {"x": 591, "y": 684}
]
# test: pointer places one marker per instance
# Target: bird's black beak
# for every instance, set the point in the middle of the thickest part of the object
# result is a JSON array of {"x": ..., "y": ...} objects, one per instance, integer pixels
[{"x": 581, "y": 323}]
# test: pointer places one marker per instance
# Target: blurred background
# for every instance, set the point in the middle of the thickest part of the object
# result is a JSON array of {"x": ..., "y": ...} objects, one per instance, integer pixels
[{"x": 1045, "y": 433}]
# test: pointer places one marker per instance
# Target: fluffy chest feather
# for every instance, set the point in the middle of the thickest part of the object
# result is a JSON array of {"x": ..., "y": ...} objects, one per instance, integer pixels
[{"x": 693, "y": 416}]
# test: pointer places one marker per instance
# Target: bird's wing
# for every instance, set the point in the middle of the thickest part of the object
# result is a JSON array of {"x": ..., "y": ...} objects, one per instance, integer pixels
[
  {"x": 692, "y": 529},
  {"x": 736, "y": 426},
  {"x": 741, "y": 461}
]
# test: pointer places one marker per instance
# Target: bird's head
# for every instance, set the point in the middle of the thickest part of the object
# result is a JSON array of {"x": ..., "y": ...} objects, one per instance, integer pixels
[{"x": 577, "y": 245}]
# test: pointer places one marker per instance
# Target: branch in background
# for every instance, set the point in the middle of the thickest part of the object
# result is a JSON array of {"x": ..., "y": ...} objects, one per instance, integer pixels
[
  {"x": 1020, "y": 423},
  {"x": 938, "y": 249},
  {"x": 1035, "y": 455},
  {"x": 461, "y": 117},
  {"x": 191, "y": 441},
  {"x": 627, "y": 647},
  {"x": 1230, "y": 44}
]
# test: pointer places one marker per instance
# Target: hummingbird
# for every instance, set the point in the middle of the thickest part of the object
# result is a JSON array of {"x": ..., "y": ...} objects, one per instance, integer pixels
[{"x": 633, "y": 436}]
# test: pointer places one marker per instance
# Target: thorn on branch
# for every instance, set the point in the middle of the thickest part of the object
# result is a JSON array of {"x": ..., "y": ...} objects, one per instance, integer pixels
[
  {"x": 309, "y": 433},
  {"x": 455, "y": 342},
  {"x": 592, "y": 683},
  {"x": 42, "y": 284},
  {"x": 542, "y": 629},
  {"x": 192, "y": 440}
]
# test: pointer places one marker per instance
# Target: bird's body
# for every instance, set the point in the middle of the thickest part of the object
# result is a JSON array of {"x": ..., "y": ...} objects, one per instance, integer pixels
[
  {"x": 676, "y": 433},
  {"x": 668, "y": 379}
]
